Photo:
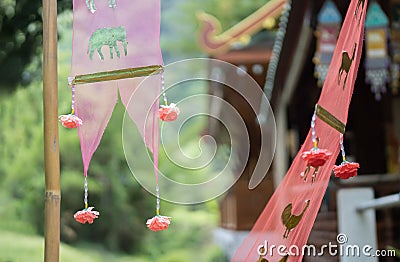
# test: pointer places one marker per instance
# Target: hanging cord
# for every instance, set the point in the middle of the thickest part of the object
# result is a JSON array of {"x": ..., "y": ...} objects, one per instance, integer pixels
[
  {"x": 163, "y": 90},
  {"x": 71, "y": 120},
  {"x": 273, "y": 63},
  {"x": 342, "y": 148},
  {"x": 155, "y": 142},
  {"x": 85, "y": 200},
  {"x": 313, "y": 135},
  {"x": 157, "y": 200},
  {"x": 73, "y": 99},
  {"x": 72, "y": 86}
]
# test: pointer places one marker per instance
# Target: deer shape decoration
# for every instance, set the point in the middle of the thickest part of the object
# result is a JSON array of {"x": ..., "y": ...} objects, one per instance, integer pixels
[
  {"x": 292, "y": 189},
  {"x": 346, "y": 64},
  {"x": 289, "y": 220},
  {"x": 360, "y": 3},
  {"x": 92, "y": 8}
]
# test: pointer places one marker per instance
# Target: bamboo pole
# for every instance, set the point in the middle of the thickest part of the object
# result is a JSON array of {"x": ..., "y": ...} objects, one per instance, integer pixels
[
  {"x": 117, "y": 74},
  {"x": 51, "y": 149}
]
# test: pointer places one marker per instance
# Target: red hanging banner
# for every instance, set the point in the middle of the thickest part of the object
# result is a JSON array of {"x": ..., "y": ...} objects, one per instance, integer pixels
[{"x": 290, "y": 213}]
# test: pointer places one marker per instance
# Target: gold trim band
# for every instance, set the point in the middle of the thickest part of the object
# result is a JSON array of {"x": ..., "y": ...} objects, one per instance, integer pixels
[
  {"x": 117, "y": 74},
  {"x": 330, "y": 119}
]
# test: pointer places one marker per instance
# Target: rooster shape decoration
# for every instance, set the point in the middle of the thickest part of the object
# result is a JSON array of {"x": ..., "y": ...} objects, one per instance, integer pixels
[
  {"x": 283, "y": 259},
  {"x": 289, "y": 220}
]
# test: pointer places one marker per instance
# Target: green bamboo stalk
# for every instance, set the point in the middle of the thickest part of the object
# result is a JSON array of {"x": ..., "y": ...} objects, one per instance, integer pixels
[
  {"x": 51, "y": 147},
  {"x": 117, "y": 74},
  {"x": 330, "y": 119}
]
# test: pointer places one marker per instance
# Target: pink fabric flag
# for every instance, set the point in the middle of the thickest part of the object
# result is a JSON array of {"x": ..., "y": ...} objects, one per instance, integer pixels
[
  {"x": 122, "y": 36},
  {"x": 290, "y": 213}
]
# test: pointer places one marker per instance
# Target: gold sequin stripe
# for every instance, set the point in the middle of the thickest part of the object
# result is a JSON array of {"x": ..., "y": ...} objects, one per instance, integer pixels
[
  {"x": 330, "y": 119},
  {"x": 117, "y": 74}
]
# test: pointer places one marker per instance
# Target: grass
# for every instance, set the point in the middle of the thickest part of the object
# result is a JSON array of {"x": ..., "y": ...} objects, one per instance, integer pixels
[{"x": 17, "y": 247}]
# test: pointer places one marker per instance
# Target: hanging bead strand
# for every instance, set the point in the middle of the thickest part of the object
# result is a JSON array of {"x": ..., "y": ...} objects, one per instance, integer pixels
[
  {"x": 86, "y": 188},
  {"x": 86, "y": 215},
  {"x": 346, "y": 169},
  {"x": 73, "y": 99},
  {"x": 313, "y": 135},
  {"x": 157, "y": 200},
  {"x": 163, "y": 90},
  {"x": 316, "y": 157},
  {"x": 342, "y": 148},
  {"x": 167, "y": 113},
  {"x": 71, "y": 120}
]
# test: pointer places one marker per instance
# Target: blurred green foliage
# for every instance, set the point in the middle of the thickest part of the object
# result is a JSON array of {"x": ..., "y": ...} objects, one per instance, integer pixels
[
  {"x": 112, "y": 188},
  {"x": 22, "y": 247},
  {"x": 21, "y": 32},
  {"x": 180, "y": 25},
  {"x": 21, "y": 40},
  {"x": 124, "y": 206}
]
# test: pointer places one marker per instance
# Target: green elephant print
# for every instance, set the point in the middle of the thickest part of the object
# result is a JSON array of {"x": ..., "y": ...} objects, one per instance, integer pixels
[
  {"x": 108, "y": 36},
  {"x": 92, "y": 8}
]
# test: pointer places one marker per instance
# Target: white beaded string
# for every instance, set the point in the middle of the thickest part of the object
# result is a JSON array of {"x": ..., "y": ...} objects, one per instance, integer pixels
[
  {"x": 86, "y": 193},
  {"x": 157, "y": 199},
  {"x": 163, "y": 90},
  {"x": 342, "y": 148},
  {"x": 313, "y": 135},
  {"x": 70, "y": 82},
  {"x": 73, "y": 99}
]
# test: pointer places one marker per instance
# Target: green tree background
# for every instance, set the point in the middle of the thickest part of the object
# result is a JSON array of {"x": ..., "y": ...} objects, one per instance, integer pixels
[
  {"x": 21, "y": 40},
  {"x": 21, "y": 32}
]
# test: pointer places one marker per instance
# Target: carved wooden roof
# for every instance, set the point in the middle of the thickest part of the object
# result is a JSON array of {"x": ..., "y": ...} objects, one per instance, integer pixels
[{"x": 213, "y": 41}]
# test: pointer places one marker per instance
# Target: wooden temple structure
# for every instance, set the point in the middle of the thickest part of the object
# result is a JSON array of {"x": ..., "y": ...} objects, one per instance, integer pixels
[
  {"x": 247, "y": 45},
  {"x": 372, "y": 133}
]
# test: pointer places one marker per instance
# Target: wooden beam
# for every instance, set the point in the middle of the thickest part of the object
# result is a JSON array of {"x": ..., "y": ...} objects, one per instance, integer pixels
[
  {"x": 380, "y": 203},
  {"x": 51, "y": 149}
]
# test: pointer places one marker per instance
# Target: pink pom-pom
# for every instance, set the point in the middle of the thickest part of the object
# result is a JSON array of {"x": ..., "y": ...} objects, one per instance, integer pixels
[
  {"x": 169, "y": 113},
  {"x": 158, "y": 223},
  {"x": 70, "y": 121},
  {"x": 86, "y": 215}
]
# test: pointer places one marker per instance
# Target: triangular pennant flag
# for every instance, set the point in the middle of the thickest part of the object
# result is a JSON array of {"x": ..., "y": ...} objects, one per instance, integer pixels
[
  {"x": 115, "y": 47},
  {"x": 329, "y": 20},
  {"x": 377, "y": 59},
  {"x": 123, "y": 37}
]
